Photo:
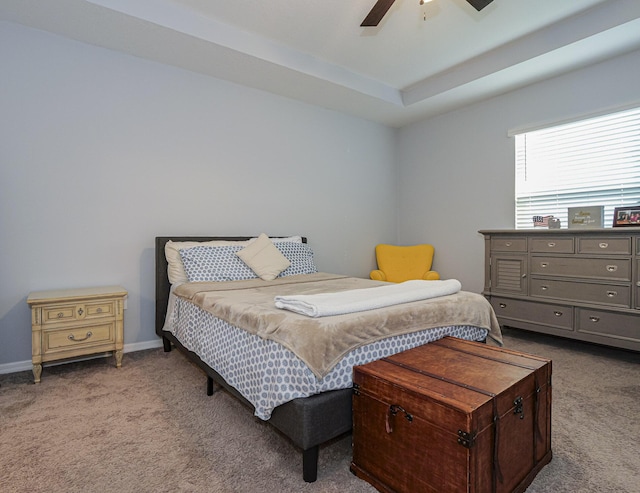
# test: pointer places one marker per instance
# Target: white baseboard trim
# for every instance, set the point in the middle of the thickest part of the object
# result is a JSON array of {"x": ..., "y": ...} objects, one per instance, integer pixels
[{"x": 128, "y": 348}]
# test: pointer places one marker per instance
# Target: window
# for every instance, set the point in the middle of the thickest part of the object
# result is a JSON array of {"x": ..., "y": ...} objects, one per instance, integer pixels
[{"x": 586, "y": 163}]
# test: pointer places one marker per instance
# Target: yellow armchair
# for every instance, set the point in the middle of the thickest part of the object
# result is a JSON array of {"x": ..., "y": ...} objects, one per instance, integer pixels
[{"x": 403, "y": 263}]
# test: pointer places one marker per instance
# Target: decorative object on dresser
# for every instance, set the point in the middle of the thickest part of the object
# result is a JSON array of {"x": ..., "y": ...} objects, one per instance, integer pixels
[
  {"x": 579, "y": 284},
  {"x": 591, "y": 217},
  {"x": 67, "y": 323},
  {"x": 452, "y": 416},
  {"x": 628, "y": 216}
]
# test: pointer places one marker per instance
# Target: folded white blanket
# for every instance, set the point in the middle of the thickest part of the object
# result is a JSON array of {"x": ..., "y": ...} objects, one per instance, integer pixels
[{"x": 358, "y": 300}]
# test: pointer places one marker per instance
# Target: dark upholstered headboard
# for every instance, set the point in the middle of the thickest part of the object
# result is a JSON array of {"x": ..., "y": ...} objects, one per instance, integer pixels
[{"x": 162, "y": 279}]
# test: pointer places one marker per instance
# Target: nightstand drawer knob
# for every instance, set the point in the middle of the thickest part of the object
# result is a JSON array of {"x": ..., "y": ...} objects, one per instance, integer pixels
[
  {"x": 60, "y": 315},
  {"x": 73, "y": 338},
  {"x": 80, "y": 311}
]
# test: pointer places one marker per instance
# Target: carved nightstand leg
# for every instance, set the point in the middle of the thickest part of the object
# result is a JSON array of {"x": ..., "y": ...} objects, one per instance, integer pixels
[
  {"x": 118, "y": 355},
  {"x": 37, "y": 371}
]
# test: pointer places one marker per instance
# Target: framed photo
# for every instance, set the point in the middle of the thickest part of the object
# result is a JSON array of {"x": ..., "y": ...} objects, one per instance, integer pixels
[{"x": 626, "y": 216}]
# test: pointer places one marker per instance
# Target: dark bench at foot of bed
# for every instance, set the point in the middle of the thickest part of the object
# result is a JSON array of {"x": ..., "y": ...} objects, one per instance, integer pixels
[{"x": 308, "y": 422}]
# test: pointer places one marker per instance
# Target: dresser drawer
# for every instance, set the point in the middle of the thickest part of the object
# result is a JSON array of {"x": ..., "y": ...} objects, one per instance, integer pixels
[
  {"x": 594, "y": 268},
  {"x": 609, "y": 324},
  {"x": 560, "y": 316},
  {"x": 86, "y": 336},
  {"x": 606, "y": 294},
  {"x": 548, "y": 245},
  {"x": 509, "y": 244},
  {"x": 605, "y": 245}
]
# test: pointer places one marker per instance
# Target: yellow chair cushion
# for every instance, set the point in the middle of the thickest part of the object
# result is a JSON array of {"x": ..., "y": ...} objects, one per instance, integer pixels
[{"x": 403, "y": 263}]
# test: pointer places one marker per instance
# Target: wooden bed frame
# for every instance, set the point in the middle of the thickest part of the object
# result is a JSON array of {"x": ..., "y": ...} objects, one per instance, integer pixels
[{"x": 307, "y": 422}]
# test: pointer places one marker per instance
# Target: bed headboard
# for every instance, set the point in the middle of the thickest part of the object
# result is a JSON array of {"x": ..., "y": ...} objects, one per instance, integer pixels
[{"x": 162, "y": 279}]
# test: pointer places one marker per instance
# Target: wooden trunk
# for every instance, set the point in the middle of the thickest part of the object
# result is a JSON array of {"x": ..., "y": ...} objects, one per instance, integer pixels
[{"x": 452, "y": 416}]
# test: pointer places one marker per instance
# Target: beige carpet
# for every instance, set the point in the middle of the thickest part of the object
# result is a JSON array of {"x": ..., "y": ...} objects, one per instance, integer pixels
[{"x": 149, "y": 427}]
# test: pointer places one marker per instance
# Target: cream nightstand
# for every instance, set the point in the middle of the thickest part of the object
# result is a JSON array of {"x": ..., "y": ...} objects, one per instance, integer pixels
[{"x": 76, "y": 322}]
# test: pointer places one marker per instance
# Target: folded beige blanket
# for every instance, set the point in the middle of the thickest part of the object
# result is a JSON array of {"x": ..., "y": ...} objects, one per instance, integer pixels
[{"x": 322, "y": 342}]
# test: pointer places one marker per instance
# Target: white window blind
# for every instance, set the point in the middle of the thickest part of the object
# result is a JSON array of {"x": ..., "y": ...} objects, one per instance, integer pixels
[{"x": 594, "y": 162}]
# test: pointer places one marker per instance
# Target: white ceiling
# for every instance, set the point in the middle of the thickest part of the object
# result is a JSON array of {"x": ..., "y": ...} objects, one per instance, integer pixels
[{"x": 420, "y": 60}]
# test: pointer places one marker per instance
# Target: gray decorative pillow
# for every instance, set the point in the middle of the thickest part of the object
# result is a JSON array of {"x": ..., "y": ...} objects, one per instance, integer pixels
[
  {"x": 205, "y": 263},
  {"x": 301, "y": 257}
]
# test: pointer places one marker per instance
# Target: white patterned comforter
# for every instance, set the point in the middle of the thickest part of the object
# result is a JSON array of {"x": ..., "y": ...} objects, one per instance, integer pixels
[{"x": 266, "y": 373}]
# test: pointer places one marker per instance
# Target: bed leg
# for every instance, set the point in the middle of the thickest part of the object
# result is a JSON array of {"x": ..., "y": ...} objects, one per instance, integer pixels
[
  {"x": 209, "y": 385},
  {"x": 166, "y": 343},
  {"x": 310, "y": 464}
]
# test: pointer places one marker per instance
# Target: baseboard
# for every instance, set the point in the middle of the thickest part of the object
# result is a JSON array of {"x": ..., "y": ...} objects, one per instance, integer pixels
[{"x": 128, "y": 348}]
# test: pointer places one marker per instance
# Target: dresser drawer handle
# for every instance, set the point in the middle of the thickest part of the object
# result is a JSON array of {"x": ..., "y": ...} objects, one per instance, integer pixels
[
  {"x": 603, "y": 245},
  {"x": 508, "y": 244},
  {"x": 557, "y": 313},
  {"x": 60, "y": 315},
  {"x": 73, "y": 338},
  {"x": 99, "y": 310},
  {"x": 594, "y": 319},
  {"x": 612, "y": 268},
  {"x": 80, "y": 311},
  {"x": 503, "y": 305},
  {"x": 551, "y": 244},
  {"x": 612, "y": 294},
  {"x": 544, "y": 264},
  {"x": 544, "y": 288}
]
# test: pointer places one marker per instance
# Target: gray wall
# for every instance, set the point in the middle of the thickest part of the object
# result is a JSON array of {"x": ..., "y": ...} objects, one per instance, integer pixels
[
  {"x": 456, "y": 171},
  {"x": 100, "y": 152}
]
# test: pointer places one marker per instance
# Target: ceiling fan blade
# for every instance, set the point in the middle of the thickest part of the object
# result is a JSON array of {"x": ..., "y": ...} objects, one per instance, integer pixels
[
  {"x": 479, "y": 4},
  {"x": 377, "y": 13}
]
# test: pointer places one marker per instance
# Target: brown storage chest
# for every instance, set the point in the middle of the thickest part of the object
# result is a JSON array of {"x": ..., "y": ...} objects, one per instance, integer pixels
[{"x": 452, "y": 416}]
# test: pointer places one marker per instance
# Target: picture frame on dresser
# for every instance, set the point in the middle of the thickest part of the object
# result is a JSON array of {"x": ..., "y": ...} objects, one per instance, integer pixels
[{"x": 626, "y": 216}]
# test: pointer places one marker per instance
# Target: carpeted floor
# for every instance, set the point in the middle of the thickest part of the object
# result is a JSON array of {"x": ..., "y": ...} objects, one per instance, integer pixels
[{"x": 150, "y": 427}]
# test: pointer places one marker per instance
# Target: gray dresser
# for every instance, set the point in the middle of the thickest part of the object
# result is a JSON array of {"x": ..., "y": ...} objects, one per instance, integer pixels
[{"x": 580, "y": 284}]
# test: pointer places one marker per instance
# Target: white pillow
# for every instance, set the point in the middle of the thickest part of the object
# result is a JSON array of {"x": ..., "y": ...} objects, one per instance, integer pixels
[
  {"x": 264, "y": 258},
  {"x": 175, "y": 269}
]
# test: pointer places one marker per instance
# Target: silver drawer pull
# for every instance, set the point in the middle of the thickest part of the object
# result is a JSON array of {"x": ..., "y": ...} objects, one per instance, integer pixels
[
  {"x": 612, "y": 268},
  {"x": 544, "y": 264},
  {"x": 594, "y": 319},
  {"x": 503, "y": 305},
  {"x": 80, "y": 311},
  {"x": 73, "y": 338},
  {"x": 612, "y": 294},
  {"x": 508, "y": 244},
  {"x": 544, "y": 288},
  {"x": 557, "y": 313},
  {"x": 551, "y": 244},
  {"x": 603, "y": 245}
]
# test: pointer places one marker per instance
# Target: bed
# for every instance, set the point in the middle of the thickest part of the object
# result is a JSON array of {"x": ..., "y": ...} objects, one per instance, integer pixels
[{"x": 322, "y": 410}]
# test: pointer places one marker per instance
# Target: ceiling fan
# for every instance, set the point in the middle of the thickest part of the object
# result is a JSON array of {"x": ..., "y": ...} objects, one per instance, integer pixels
[{"x": 382, "y": 6}]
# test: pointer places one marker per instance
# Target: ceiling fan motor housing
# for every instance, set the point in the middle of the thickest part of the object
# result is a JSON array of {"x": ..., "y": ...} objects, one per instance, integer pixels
[{"x": 479, "y": 4}]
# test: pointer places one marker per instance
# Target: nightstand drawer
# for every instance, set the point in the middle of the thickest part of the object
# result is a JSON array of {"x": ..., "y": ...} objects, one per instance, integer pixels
[
  {"x": 61, "y": 313},
  {"x": 99, "y": 310},
  {"x": 77, "y": 311},
  {"x": 79, "y": 337}
]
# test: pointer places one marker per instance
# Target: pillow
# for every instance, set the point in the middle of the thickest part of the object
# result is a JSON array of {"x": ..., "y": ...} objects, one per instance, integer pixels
[
  {"x": 264, "y": 258},
  {"x": 301, "y": 257},
  {"x": 175, "y": 269},
  {"x": 215, "y": 263}
]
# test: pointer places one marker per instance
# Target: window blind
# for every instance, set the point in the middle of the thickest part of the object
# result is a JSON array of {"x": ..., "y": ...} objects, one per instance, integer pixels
[{"x": 593, "y": 162}]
